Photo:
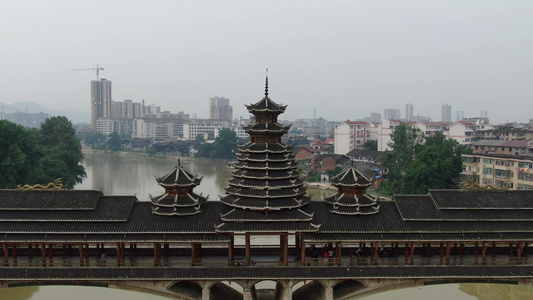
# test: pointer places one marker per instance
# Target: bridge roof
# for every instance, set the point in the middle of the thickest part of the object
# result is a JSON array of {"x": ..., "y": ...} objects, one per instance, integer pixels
[
  {"x": 423, "y": 208},
  {"x": 409, "y": 218},
  {"x": 49, "y": 200},
  {"x": 459, "y": 199}
]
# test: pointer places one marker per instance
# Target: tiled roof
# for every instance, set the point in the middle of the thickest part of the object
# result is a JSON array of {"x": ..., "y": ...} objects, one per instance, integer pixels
[
  {"x": 267, "y": 227},
  {"x": 350, "y": 177},
  {"x": 166, "y": 200},
  {"x": 49, "y": 200},
  {"x": 519, "y": 144},
  {"x": 240, "y": 215},
  {"x": 411, "y": 218},
  {"x": 179, "y": 177},
  {"x": 488, "y": 143},
  {"x": 108, "y": 209},
  {"x": 266, "y": 105},
  {"x": 422, "y": 208},
  {"x": 264, "y": 203},
  {"x": 459, "y": 199}
]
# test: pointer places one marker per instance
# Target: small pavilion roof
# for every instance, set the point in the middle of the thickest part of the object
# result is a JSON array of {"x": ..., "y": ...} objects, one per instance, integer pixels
[
  {"x": 350, "y": 177},
  {"x": 179, "y": 177}
]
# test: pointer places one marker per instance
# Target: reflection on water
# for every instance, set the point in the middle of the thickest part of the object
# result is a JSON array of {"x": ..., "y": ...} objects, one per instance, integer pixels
[
  {"x": 131, "y": 173},
  {"x": 497, "y": 291},
  {"x": 56, "y": 292},
  {"x": 25, "y": 293}
]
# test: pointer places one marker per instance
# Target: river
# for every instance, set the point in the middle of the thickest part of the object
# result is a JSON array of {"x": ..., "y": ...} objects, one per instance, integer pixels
[{"x": 133, "y": 174}]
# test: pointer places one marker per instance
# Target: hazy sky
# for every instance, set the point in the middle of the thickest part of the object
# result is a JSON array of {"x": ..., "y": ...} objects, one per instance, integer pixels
[{"x": 345, "y": 59}]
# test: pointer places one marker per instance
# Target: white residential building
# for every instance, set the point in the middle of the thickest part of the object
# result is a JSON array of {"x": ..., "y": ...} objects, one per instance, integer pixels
[
  {"x": 430, "y": 128},
  {"x": 207, "y": 128},
  {"x": 351, "y": 135},
  {"x": 463, "y": 132}
]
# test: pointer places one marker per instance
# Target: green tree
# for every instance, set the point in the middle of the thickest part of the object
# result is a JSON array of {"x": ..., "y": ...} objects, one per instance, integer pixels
[
  {"x": 404, "y": 144},
  {"x": 226, "y": 143},
  {"x": 57, "y": 140},
  {"x": 19, "y": 156},
  {"x": 115, "y": 142},
  {"x": 371, "y": 145},
  {"x": 93, "y": 139},
  {"x": 438, "y": 160}
]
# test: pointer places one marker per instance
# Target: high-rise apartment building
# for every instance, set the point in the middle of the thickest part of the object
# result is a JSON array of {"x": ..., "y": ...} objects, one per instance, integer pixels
[
  {"x": 446, "y": 113},
  {"x": 459, "y": 115},
  {"x": 375, "y": 117},
  {"x": 391, "y": 114},
  {"x": 409, "y": 112},
  {"x": 219, "y": 109},
  {"x": 100, "y": 101}
]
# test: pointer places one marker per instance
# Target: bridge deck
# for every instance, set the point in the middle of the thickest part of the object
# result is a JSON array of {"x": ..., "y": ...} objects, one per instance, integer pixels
[
  {"x": 220, "y": 273},
  {"x": 266, "y": 267}
]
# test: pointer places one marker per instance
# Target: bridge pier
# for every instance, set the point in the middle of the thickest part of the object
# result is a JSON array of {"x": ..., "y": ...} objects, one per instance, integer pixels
[
  {"x": 247, "y": 293},
  {"x": 327, "y": 292}
]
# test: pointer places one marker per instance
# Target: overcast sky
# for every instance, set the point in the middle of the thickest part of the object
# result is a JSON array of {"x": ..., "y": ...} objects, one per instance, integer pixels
[{"x": 346, "y": 59}]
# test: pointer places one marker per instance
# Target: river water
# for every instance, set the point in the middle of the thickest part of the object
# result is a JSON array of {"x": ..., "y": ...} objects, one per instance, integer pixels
[{"x": 132, "y": 174}]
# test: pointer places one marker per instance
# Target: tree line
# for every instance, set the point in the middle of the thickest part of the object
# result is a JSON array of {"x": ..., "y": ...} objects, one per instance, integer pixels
[
  {"x": 39, "y": 156},
  {"x": 417, "y": 163}
]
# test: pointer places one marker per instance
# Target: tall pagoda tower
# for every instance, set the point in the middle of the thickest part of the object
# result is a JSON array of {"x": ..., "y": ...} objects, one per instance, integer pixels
[
  {"x": 265, "y": 194},
  {"x": 179, "y": 198}
]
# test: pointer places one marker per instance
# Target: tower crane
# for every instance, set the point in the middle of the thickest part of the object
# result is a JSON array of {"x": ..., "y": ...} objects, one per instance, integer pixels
[{"x": 97, "y": 70}]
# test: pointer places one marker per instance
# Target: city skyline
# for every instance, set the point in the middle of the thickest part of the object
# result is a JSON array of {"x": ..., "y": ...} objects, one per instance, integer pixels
[{"x": 362, "y": 57}]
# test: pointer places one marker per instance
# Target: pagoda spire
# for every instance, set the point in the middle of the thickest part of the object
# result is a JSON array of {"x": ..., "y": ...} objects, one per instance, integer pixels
[{"x": 266, "y": 84}]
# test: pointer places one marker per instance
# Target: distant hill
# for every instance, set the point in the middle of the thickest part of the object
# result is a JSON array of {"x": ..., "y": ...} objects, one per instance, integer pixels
[{"x": 31, "y": 107}]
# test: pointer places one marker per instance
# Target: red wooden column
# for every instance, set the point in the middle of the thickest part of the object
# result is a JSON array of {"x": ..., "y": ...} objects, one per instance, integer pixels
[
  {"x": 406, "y": 253},
  {"x": 484, "y": 253},
  {"x": 43, "y": 254},
  {"x": 448, "y": 248},
  {"x": 297, "y": 245},
  {"x": 338, "y": 253},
  {"x": 64, "y": 251},
  {"x": 166, "y": 250},
  {"x": 302, "y": 251},
  {"x": 476, "y": 254},
  {"x": 412, "y": 252},
  {"x": 51, "y": 254},
  {"x": 15, "y": 255},
  {"x": 247, "y": 249},
  {"x": 6, "y": 254},
  {"x": 196, "y": 253},
  {"x": 441, "y": 252},
  {"x": 231, "y": 249},
  {"x": 375, "y": 253},
  {"x": 30, "y": 251},
  {"x": 80, "y": 248},
  {"x": 519, "y": 254},
  {"x": 86, "y": 254},
  {"x": 157, "y": 254},
  {"x": 285, "y": 249}
]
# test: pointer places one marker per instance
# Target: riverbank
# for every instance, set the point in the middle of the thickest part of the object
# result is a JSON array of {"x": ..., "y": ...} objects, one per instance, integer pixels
[{"x": 85, "y": 150}]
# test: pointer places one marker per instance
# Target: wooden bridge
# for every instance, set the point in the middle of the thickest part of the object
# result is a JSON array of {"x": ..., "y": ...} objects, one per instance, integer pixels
[{"x": 212, "y": 277}]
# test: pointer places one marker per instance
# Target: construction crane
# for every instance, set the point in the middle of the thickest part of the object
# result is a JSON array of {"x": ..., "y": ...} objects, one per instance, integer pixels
[{"x": 97, "y": 70}]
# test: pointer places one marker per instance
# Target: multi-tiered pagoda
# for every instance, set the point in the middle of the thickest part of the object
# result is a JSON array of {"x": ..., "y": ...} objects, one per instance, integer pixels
[
  {"x": 351, "y": 198},
  {"x": 266, "y": 194},
  {"x": 179, "y": 198}
]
